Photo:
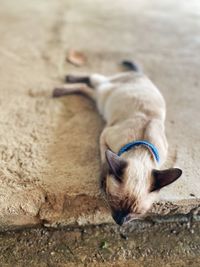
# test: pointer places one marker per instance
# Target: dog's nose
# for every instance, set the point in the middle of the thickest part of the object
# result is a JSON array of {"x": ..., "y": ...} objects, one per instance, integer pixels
[{"x": 119, "y": 217}]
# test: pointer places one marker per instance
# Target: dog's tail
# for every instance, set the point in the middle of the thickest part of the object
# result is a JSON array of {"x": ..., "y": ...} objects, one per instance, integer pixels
[{"x": 131, "y": 65}]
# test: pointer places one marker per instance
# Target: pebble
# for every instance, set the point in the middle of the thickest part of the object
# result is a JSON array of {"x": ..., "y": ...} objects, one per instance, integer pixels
[{"x": 124, "y": 236}]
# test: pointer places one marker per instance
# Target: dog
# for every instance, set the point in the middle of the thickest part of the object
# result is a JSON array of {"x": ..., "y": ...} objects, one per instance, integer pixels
[{"x": 133, "y": 144}]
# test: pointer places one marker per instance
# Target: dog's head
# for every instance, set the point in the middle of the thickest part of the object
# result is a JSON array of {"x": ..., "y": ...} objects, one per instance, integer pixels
[{"x": 131, "y": 186}]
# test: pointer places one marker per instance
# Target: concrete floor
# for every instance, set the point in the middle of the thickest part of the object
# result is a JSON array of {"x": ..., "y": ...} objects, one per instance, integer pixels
[{"x": 49, "y": 149}]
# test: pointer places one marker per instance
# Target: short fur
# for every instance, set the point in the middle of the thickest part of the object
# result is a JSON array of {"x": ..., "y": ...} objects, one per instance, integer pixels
[{"x": 133, "y": 109}]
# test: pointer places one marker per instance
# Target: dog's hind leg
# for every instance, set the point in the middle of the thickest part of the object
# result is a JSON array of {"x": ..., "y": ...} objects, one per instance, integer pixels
[
  {"x": 93, "y": 80},
  {"x": 77, "y": 79}
]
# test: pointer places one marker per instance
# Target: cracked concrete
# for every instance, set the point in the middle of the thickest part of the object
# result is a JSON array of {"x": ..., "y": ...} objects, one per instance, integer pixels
[{"x": 49, "y": 149}]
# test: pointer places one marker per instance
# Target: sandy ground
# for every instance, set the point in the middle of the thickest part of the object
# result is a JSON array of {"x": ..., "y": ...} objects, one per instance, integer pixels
[
  {"x": 49, "y": 151},
  {"x": 143, "y": 245}
]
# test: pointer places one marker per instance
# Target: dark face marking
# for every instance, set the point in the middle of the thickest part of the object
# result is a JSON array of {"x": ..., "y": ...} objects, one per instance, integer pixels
[
  {"x": 120, "y": 216},
  {"x": 123, "y": 210}
]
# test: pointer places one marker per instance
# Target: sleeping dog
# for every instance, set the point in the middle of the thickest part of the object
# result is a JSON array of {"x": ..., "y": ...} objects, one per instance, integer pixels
[{"x": 133, "y": 144}]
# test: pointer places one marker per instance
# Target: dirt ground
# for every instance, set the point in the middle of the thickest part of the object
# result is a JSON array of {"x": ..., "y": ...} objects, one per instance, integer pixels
[{"x": 142, "y": 245}]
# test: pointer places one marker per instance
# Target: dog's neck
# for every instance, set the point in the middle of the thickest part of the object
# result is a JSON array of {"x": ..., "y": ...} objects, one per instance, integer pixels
[{"x": 142, "y": 155}]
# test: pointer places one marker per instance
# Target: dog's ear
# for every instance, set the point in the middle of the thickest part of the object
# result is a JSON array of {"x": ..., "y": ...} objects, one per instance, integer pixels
[
  {"x": 116, "y": 164},
  {"x": 164, "y": 177}
]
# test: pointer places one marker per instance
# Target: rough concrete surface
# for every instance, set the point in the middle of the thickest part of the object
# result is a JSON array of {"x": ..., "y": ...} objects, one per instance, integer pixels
[{"x": 49, "y": 150}]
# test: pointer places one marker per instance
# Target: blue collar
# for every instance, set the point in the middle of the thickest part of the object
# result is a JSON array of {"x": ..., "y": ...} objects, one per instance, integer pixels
[{"x": 150, "y": 146}]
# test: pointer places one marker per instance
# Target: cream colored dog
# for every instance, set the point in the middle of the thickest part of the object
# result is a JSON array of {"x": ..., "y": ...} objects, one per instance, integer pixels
[{"x": 134, "y": 111}]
